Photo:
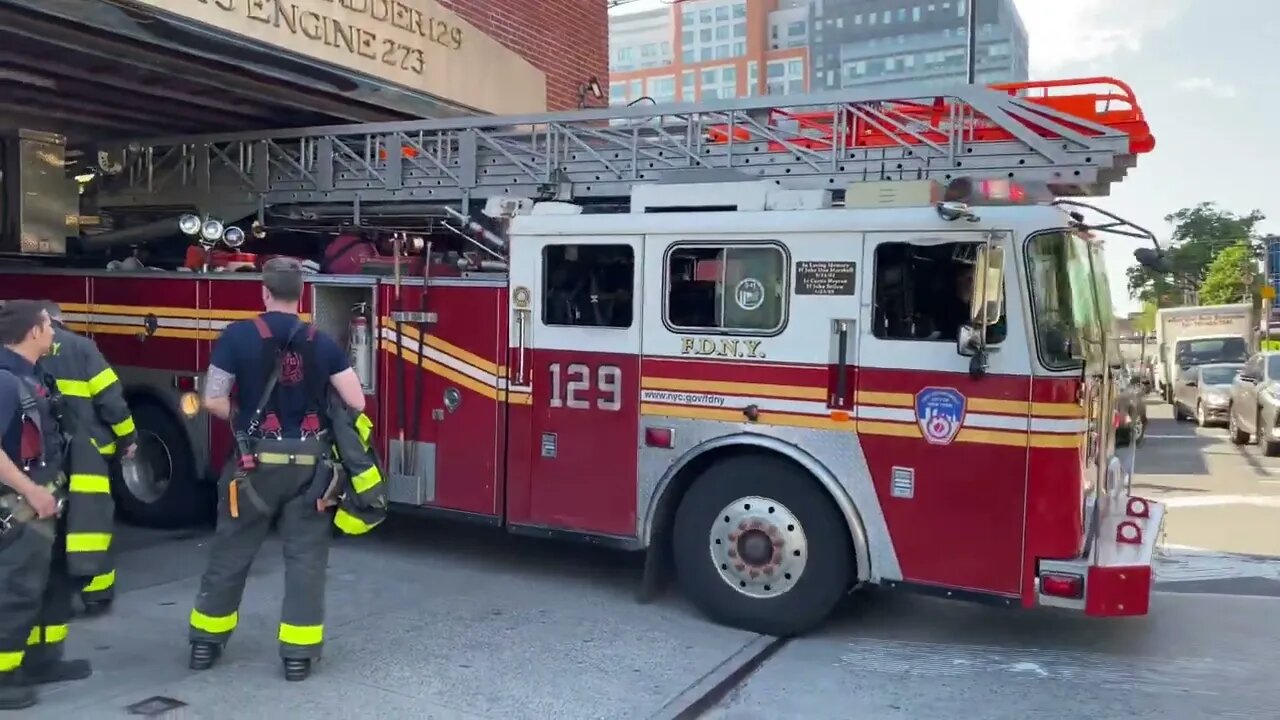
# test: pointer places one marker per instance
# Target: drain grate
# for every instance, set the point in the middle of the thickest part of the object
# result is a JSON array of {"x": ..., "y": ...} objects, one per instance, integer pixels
[{"x": 155, "y": 705}]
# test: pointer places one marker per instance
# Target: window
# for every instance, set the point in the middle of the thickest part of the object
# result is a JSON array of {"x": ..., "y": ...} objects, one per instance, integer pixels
[
  {"x": 740, "y": 30},
  {"x": 705, "y": 54},
  {"x": 688, "y": 55},
  {"x": 1273, "y": 367},
  {"x": 688, "y": 86},
  {"x": 687, "y": 18},
  {"x": 705, "y": 35},
  {"x": 662, "y": 89},
  {"x": 726, "y": 288},
  {"x": 740, "y": 10},
  {"x": 617, "y": 93},
  {"x": 588, "y": 285},
  {"x": 753, "y": 78},
  {"x": 795, "y": 29},
  {"x": 922, "y": 292},
  {"x": 722, "y": 12},
  {"x": 686, "y": 37},
  {"x": 915, "y": 14},
  {"x": 722, "y": 32}
]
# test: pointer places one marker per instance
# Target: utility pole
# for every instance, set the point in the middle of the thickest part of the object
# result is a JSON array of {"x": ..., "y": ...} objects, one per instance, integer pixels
[{"x": 971, "y": 43}]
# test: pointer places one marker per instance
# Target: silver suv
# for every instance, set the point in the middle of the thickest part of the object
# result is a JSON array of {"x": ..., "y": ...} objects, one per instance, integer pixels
[{"x": 1255, "y": 402}]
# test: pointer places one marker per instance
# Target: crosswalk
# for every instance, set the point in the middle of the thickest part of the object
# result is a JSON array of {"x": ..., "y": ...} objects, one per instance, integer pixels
[{"x": 1177, "y": 563}]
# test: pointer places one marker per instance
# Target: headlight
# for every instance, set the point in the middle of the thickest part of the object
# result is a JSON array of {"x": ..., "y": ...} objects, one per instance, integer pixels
[
  {"x": 211, "y": 230},
  {"x": 189, "y": 224},
  {"x": 1217, "y": 398}
]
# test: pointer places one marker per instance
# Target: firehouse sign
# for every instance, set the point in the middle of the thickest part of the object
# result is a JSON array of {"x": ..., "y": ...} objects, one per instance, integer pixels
[
  {"x": 414, "y": 43},
  {"x": 940, "y": 413},
  {"x": 723, "y": 348}
]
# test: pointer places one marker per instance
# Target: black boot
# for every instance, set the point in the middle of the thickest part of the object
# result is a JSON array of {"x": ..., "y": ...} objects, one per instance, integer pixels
[
  {"x": 204, "y": 654},
  {"x": 297, "y": 669},
  {"x": 15, "y": 693},
  {"x": 56, "y": 671}
]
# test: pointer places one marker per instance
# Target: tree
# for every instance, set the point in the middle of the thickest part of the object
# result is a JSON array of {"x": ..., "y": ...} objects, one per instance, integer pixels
[
  {"x": 1231, "y": 276},
  {"x": 1200, "y": 234},
  {"x": 1145, "y": 322}
]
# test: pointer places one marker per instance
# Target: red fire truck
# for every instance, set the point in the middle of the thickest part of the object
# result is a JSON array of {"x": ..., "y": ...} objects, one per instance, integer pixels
[{"x": 787, "y": 346}]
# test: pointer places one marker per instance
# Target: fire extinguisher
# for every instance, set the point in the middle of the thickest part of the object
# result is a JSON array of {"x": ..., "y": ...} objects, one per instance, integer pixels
[{"x": 358, "y": 343}]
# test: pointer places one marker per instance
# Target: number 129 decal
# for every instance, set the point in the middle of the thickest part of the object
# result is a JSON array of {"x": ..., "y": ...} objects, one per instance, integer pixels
[{"x": 608, "y": 386}]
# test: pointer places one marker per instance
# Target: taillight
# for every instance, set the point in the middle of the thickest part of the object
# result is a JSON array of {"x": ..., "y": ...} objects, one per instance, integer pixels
[{"x": 1062, "y": 585}]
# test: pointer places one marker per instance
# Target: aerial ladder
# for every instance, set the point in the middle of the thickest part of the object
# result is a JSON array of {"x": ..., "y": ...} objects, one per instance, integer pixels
[{"x": 1077, "y": 136}]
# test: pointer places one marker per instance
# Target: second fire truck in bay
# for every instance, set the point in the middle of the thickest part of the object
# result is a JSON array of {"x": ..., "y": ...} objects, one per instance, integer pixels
[{"x": 786, "y": 350}]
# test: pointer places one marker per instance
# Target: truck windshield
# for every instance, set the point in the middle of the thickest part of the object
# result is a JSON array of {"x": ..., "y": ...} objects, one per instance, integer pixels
[
  {"x": 1070, "y": 298},
  {"x": 1210, "y": 350}
]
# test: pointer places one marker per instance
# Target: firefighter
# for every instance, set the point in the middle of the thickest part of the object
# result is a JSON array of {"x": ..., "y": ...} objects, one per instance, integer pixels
[
  {"x": 35, "y": 587},
  {"x": 96, "y": 400},
  {"x": 282, "y": 369}
]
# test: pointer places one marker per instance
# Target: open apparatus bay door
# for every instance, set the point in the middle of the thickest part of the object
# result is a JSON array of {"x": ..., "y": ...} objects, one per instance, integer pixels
[{"x": 793, "y": 345}]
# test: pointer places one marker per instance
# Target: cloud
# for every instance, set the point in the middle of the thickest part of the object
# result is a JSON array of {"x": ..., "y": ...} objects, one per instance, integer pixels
[
  {"x": 1207, "y": 85},
  {"x": 1067, "y": 32}
]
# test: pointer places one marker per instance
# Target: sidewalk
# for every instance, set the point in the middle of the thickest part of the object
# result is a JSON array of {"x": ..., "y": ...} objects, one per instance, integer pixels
[{"x": 423, "y": 622}]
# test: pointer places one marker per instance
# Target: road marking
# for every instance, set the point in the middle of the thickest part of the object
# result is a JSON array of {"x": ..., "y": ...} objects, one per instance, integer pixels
[
  {"x": 1189, "y": 501},
  {"x": 1180, "y": 563},
  {"x": 1149, "y": 436},
  {"x": 1197, "y": 675}
]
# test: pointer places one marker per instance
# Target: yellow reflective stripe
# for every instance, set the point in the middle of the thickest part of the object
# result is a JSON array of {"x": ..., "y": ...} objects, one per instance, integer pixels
[
  {"x": 301, "y": 634},
  {"x": 10, "y": 661},
  {"x": 88, "y": 542},
  {"x": 210, "y": 624},
  {"x": 90, "y": 484},
  {"x": 108, "y": 449},
  {"x": 101, "y": 381},
  {"x": 364, "y": 427},
  {"x": 275, "y": 458},
  {"x": 74, "y": 388},
  {"x": 366, "y": 480},
  {"x": 52, "y": 635},
  {"x": 124, "y": 427},
  {"x": 102, "y": 582},
  {"x": 350, "y": 524}
]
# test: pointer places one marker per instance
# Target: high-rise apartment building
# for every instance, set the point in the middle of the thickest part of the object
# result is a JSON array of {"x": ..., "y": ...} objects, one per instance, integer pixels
[
  {"x": 905, "y": 45},
  {"x": 704, "y": 49}
]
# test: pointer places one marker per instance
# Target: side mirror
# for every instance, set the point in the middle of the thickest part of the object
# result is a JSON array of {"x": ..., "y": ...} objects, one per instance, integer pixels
[
  {"x": 968, "y": 341},
  {"x": 1153, "y": 259}
]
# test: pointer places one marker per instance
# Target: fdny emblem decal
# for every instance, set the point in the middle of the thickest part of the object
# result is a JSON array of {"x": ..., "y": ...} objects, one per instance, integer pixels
[{"x": 940, "y": 413}]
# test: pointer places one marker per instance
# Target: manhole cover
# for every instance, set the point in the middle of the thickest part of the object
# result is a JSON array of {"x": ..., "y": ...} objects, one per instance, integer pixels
[{"x": 154, "y": 706}]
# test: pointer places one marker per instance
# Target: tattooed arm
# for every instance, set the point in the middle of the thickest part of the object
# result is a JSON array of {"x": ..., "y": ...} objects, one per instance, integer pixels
[{"x": 217, "y": 392}]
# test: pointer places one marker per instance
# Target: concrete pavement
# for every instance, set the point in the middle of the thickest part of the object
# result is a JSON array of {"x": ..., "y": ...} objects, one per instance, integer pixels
[
  {"x": 910, "y": 658},
  {"x": 434, "y": 621}
]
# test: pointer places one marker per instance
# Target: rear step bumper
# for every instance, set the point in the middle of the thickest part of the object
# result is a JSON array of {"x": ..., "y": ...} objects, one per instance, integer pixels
[{"x": 1117, "y": 579}]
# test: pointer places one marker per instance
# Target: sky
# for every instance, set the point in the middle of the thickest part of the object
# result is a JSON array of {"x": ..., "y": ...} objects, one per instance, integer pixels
[{"x": 1207, "y": 75}]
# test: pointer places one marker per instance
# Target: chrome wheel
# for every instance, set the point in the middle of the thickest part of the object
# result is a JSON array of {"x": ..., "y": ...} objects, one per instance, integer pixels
[
  {"x": 148, "y": 475},
  {"x": 759, "y": 547},
  {"x": 1200, "y": 413}
]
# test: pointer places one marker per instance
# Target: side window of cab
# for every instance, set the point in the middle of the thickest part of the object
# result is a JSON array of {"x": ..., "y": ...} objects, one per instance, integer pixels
[{"x": 922, "y": 292}]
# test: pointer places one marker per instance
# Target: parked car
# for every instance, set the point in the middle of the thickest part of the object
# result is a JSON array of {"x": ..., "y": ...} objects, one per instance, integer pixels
[
  {"x": 1203, "y": 393},
  {"x": 1131, "y": 408},
  {"x": 1255, "y": 402}
]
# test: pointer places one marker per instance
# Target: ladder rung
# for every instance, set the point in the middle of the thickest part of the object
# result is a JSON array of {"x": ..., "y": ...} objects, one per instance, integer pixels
[{"x": 1079, "y": 143}]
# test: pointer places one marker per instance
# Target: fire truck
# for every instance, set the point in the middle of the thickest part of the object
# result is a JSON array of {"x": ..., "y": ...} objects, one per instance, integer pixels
[{"x": 788, "y": 347}]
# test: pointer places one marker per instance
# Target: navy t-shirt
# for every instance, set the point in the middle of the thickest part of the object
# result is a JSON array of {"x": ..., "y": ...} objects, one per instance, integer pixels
[
  {"x": 239, "y": 351},
  {"x": 11, "y": 401}
]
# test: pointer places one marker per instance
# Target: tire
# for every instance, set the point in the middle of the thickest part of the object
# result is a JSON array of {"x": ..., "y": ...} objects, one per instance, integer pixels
[
  {"x": 821, "y": 568},
  {"x": 1199, "y": 417},
  {"x": 1233, "y": 430},
  {"x": 167, "y": 493}
]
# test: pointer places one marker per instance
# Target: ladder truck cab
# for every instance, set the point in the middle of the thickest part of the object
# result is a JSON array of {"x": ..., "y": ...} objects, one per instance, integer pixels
[{"x": 788, "y": 347}]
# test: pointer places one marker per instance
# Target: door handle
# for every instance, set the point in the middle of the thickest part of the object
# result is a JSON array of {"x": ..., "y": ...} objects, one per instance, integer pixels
[{"x": 522, "y": 322}]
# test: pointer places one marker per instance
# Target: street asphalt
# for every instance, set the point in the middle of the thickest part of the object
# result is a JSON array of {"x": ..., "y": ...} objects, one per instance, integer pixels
[{"x": 442, "y": 621}]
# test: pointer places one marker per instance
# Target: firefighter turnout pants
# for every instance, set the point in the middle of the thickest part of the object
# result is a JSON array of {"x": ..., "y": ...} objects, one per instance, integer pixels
[
  {"x": 35, "y": 597},
  {"x": 269, "y": 492},
  {"x": 90, "y": 485}
]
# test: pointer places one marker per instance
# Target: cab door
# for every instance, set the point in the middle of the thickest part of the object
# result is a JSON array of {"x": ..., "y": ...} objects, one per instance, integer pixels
[
  {"x": 947, "y": 452},
  {"x": 575, "y": 338}
]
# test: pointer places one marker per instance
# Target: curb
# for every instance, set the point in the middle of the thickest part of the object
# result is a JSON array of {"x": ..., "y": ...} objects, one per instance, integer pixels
[{"x": 711, "y": 688}]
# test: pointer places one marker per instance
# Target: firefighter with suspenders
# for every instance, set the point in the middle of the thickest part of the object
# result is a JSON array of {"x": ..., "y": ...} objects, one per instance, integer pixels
[
  {"x": 36, "y": 568},
  {"x": 282, "y": 369},
  {"x": 96, "y": 400}
]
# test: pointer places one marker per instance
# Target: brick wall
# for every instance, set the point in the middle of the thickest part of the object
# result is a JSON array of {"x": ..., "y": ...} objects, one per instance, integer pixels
[{"x": 566, "y": 39}]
